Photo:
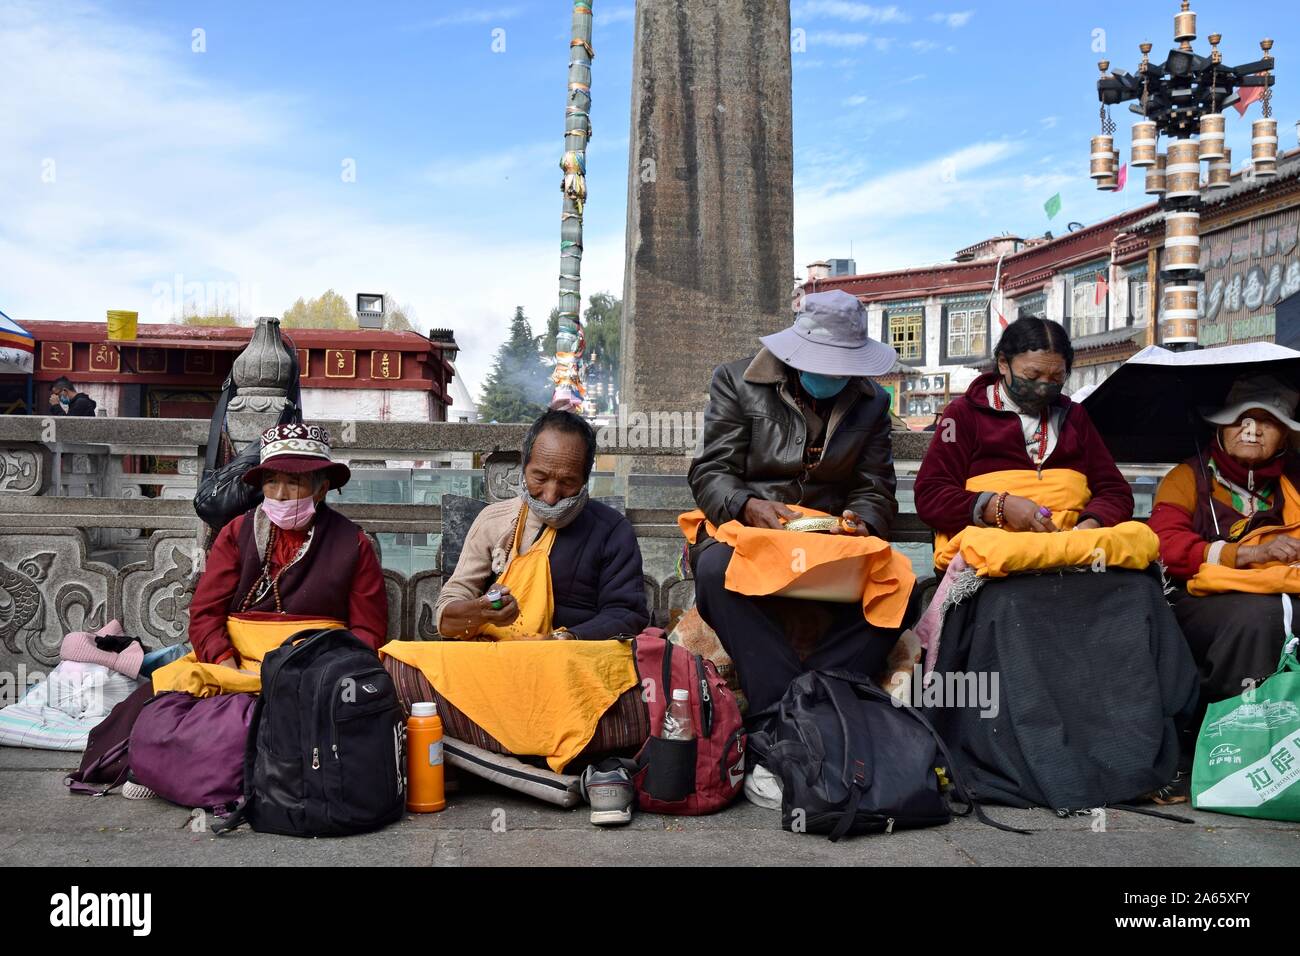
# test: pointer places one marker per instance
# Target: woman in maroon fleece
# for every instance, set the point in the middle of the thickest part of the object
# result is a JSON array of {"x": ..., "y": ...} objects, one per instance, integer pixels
[{"x": 1094, "y": 675}]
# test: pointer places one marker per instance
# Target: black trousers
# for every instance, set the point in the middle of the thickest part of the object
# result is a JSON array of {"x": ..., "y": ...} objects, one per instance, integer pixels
[
  {"x": 1234, "y": 638},
  {"x": 756, "y": 631}
]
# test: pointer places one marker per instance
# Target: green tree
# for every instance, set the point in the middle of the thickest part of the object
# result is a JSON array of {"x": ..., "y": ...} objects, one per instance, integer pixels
[
  {"x": 329, "y": 311},
  {"x": 399, "y": 317},
  {"x": 518, "y": 387},
  {"x": 215, "y": 320}
]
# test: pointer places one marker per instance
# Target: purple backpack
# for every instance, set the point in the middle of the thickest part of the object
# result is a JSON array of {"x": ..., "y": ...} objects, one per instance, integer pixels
[{"x": 190, "y": 750}]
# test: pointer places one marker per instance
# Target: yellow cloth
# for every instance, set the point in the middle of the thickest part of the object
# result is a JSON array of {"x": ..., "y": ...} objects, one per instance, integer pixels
[
  {"x": 764, "y": 562},
  {"x": 253, "y": 640},
  {"x": 540, "y": 698},
  {"x": 995, "y": 553},
  {"x": 529, "y": 578},
  {"x": 1271, "y": 578},
  {"x": 1063, "y": 491}
]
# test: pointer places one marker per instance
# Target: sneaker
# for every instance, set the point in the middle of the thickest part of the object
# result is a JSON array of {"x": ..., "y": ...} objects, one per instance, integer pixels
[
  {"x": 763, "y": 788},
  {"x": 133, "y": 791},
  {"x": 610, "y": 794},
  {"x": 1175, "y": 791}
]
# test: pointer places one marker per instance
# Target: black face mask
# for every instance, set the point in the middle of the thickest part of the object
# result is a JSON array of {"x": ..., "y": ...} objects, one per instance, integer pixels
[{"x": 1030, "y": 395}]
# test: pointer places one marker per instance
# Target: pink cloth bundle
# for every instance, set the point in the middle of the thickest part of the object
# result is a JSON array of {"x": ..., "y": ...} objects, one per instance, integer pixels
[{"x": 80, "y": 646}]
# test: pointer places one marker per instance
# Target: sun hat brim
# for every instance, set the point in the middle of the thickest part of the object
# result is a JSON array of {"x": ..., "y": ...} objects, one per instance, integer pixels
[
  {"x": 870, "y": 358},
  {"x": 1229, "y": 414}
]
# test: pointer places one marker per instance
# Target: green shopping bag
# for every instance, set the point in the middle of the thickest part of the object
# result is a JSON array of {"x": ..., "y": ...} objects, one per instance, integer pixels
[{"x": 1248, "y": 751}]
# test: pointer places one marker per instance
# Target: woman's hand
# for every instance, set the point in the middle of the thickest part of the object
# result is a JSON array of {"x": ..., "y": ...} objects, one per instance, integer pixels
[
  {"x": 1018, "y": 514},
  {"x": 464, "y": 619},
  {"x": 1280, "y": 549},
  {"x": 1087, "y": 524}
]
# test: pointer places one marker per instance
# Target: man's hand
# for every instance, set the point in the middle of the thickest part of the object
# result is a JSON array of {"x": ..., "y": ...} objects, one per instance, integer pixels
[
  {"x": 1281, "y": 549},
  {"x": 762, "y": 513},
  {"x": 1018, "y": 514},
  {"x": 464, "y": 619},
  {"x": 54, "y": 400},
  {"x": 853, "y": 522}
]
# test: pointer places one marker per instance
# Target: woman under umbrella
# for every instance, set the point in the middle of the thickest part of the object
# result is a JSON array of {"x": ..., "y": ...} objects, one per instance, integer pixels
[{"x": 1234, "y": 506}]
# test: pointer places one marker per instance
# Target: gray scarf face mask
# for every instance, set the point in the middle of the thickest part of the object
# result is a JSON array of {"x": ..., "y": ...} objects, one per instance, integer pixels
[{"x": 559, "y": 515}]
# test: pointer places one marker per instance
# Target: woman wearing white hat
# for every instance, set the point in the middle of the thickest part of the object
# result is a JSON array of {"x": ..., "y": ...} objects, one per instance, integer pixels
[{"x": 1233, "y": 508}]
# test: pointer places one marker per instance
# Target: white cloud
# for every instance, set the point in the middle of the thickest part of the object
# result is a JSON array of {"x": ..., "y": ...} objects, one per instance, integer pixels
[
  {"x": 923, "y": 46},
  {"x": 470, "y": 16},
  {"x": 904, "y": 218},
  {"x": 953, "y": 20},
  {"x": 851, "y": 40},
  {"x": 856, "y": 100},
  {"x": 1049, "y": 122},
  {"x": 843, "y": 10}
]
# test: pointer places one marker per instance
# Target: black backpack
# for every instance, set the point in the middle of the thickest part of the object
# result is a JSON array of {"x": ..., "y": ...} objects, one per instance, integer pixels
[
  {"x": 852, "y": 759},
  {"x": 326, "y": 751}
]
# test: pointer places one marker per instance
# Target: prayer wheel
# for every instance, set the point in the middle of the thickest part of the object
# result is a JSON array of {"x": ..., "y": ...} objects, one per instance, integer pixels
[
  {"x": 1212, "y": 136},
  {"x": 1263, "y": 146},
  {"x": 1156, "y": 176},
  {"x": 1144, "y": 144},
  {"x": 1180, "y": 314},
  {"x": 1182, "y": 242},
  {"x": 1183, "y": 171},
  {"x": 1221, "y": 170},
  {"x": 1185, "y": 24},
  {"x": 1111, "y": 182},
  {"x": 1103, "y": 157}
]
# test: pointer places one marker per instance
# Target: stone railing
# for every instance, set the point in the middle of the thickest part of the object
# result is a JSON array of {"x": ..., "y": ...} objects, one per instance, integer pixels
[{"x": 74, "y": 555}]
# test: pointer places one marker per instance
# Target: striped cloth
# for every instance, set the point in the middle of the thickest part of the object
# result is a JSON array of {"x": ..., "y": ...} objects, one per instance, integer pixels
[
  {"x": 623, "y": 728},
  {"x": 59, "y": 712}
]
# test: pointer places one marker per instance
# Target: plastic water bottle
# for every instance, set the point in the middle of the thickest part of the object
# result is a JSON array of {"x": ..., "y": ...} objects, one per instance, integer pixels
[
  {"x": 678, "y": 723},
  {"x": 424, "y": 771}
]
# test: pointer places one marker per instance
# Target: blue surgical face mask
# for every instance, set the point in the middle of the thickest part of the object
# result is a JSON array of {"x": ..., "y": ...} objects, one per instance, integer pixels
[{"x": 822, "y": 386}]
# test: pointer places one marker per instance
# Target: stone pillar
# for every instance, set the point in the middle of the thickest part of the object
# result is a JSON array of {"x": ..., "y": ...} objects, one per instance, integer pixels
[
  {"x": 262, "y": 372},
  {"x": 710, "y": 194}
]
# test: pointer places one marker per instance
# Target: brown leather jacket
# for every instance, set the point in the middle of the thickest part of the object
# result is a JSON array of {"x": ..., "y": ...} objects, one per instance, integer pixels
[{"x": 753, "y": 442}]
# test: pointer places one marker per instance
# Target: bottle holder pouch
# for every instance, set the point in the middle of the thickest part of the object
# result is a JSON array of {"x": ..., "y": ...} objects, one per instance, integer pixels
[{"x": 669, "y": 768}]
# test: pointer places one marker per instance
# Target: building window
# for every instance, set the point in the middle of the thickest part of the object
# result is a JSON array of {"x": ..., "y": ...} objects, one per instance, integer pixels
[
  {"x": 1084, "y": 314},
  {"x": 1034, "y": 304},
  {"x": 1138, "y": 299},
  {"x": 966, "y": 331},
  {"x": 907, "y": 334}
]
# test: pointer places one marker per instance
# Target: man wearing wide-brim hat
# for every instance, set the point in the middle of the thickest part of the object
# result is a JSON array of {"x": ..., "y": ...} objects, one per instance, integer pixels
[
  {"x": 799, "y": 423},
  {"x": 291, "y": 560}
]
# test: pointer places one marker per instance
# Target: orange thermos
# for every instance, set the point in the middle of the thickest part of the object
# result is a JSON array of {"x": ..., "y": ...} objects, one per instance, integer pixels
[{"x": 424, "y": 788}]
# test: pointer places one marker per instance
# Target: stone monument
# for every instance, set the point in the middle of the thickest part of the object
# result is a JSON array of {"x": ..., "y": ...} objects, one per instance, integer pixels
[{"x": 710, "y": 197}]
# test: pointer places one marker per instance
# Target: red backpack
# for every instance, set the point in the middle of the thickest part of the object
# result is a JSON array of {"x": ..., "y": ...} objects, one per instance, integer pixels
[{"x": 688, "y": 777}]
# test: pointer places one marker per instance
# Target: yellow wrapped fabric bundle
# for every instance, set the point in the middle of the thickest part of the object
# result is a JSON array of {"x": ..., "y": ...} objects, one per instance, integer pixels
[{"x": 995, "y": 553}]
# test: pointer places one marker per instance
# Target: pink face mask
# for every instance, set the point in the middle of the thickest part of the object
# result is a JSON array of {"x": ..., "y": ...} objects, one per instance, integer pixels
[{"x": 292, "y": 515}]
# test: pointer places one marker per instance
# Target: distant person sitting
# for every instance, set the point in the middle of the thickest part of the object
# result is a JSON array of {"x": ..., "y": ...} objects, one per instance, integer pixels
[{"x": 66, "y": 400}]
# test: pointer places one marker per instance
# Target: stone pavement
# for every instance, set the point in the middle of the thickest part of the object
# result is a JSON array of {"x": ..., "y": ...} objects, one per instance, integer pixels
[{"x": 42, "y": 824}]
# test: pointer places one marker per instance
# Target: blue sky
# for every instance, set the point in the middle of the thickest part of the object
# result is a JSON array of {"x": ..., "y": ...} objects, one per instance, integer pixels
[{"x": 129, "y": 158}]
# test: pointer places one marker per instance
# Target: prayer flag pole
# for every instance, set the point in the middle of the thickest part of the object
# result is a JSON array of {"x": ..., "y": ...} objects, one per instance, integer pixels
[{"x": 570, "y": 391}]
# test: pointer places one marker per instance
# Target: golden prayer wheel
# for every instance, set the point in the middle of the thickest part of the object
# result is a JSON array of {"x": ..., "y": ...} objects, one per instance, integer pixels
[
  {"x": 1183, "y": 170},
  {"x": 1182, "y": 242},
  {"x": 1144, "y": 144},
  {"x": 1263, "y": 146},
  {"x": 1221, "y": 171},
  {"x": 1103, "y": 157},
  {"x": 1185, "y": 24},
  {"x": 1156, "y": 176},
  {"x": 1212, "y": 136},
  {"x": 1111, "y": 183}
]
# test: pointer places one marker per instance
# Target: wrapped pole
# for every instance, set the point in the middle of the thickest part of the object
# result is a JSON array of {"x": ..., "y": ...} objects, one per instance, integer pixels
[{"x": 570, "y": 390}]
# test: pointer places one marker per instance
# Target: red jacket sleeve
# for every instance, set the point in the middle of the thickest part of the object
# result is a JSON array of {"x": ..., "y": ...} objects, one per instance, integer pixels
[
  {"x": 1182, "y": 550},
  {"x": 1112, "y": 498},
  {"x": 368, "y": 607},
  {"x": 942, "y": 500},
  {"x": 212, "y": 596}
]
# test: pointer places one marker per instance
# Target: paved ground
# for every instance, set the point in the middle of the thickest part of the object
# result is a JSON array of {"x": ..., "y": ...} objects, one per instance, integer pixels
[{"x": 41, "y": 823}]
